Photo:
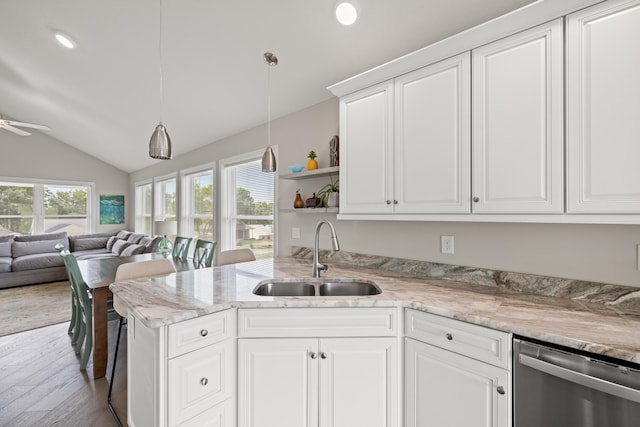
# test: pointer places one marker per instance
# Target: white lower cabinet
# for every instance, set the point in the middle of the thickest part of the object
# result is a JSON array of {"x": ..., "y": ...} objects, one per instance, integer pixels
[
  {"x": 319, "y": 381},
  {"x": 182, "y": 374},
  {"x": 456, "y": 374}
]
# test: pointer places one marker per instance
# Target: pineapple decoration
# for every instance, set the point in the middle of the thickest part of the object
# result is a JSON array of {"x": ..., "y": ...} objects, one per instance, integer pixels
[{"x": 312, "y": 164}]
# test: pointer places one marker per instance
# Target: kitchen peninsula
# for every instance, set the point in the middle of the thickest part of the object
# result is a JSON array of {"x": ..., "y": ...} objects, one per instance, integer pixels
[{"x": 169, "y": 315}]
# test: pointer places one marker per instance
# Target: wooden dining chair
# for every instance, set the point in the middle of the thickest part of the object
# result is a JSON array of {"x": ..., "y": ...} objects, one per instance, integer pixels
[
  {"x": 234, "y": 256},
  {"x": 181, "y": 247},
  {"x": 129, "y": 271},
  {"x": 83, "y": 335},
  {"x": 203, "y": 253}
]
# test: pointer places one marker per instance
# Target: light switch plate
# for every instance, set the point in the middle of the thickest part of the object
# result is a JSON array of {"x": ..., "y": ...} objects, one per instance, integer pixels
[{"x": 295, "y": 233}]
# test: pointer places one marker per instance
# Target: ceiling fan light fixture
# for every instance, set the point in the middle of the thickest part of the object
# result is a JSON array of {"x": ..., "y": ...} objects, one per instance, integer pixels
[
  {"x": 65, "y": 41},
  {"x": 160, "y": 143},
  {"x": 346, "y": 13}
]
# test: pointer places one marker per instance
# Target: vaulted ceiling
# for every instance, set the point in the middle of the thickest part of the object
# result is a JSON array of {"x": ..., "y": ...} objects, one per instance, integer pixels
[{"x": 104, "y": 96}]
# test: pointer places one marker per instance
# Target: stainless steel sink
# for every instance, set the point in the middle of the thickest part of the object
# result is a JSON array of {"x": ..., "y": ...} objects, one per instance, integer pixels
[
  {"x": 316, "y": 287},
  {"x": 285, "y": 289}
]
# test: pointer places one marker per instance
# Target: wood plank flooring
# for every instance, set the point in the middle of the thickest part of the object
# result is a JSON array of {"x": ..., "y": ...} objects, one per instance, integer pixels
[{"x": 41, "y": 383}]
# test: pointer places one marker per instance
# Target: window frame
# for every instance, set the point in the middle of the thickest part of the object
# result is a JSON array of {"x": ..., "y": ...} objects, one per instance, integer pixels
[
  {"x": 186, "y": 202},
  {"x": 136, "y": 198}
]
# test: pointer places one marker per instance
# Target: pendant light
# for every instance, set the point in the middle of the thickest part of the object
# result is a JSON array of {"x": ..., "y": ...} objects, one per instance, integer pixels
[
  {"x": 268, "y": 158},
  {"x": 160, "y": 142}
]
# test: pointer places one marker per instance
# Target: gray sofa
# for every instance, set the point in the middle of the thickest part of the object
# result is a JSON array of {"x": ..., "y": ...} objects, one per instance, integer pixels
[{"x": 26, "y": 260}]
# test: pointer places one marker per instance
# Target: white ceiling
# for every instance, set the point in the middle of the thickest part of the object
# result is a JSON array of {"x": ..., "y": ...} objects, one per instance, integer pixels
[{"x": 104, "y": 97}]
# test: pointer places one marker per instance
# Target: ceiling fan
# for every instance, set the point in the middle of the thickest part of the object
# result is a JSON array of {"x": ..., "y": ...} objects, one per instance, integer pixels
[{"x": 10, "y": 125}]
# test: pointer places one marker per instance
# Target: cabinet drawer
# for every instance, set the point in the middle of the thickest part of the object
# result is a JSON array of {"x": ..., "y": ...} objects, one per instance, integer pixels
[
  {"x": 199, "y": 380},
  {"x": 199, "y": 332},
  {"x": 478, "y": 342},
  {"x": 222, "y": 415},
  {"x": 317, "y": 322}
]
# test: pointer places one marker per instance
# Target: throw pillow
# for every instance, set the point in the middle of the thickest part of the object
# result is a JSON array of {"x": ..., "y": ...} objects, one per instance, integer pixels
[
  {"x": 119, "y": 246},
  {"x": 151, "y": 243},
  {"x": 123, "y": 234},
  {"x": 110, "y": 243},
  {"x": 135, "y": 238},
  {"x": 133, "y": 249}
]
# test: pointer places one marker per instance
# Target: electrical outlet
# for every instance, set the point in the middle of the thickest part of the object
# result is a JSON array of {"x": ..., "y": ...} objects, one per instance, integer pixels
[
  {"x": 295, "y": 233},
  {"x": 446, "y": 244}
]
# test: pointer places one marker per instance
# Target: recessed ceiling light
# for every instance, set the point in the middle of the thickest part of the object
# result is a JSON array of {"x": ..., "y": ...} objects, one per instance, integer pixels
[
  {"x": 65, "y": 41},
  {"x": 346, "y": 13}
]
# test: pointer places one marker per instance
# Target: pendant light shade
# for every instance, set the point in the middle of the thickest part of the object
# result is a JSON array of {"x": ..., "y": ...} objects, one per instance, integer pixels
[
  {"x": 269, "y": 158},
  {"x": 160, "y": 144}
]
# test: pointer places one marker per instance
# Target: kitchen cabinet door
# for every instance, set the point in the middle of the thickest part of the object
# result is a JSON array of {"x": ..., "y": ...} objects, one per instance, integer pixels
[
  {"x": 603, "y": 108},
  {"x": 432, "y": 138},
  {"x": 517, "y": 129},
  {"x": 366, "y": 152},
  {"x": 445, "y": 389},
  {"x": 278, "y": 382},
  {"x": 358, "y": 382}
]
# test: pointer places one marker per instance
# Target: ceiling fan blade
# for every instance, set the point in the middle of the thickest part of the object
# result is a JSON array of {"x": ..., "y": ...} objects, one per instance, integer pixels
[
  {"x": 15, "y": 130},
  {"x": 27, "y": 125}
]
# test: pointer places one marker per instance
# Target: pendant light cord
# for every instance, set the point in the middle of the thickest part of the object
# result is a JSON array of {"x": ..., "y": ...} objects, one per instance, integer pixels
[{"x": 160, "y": 56}]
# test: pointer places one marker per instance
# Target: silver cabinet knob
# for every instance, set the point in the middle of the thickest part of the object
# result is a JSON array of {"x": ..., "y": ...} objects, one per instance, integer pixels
[
  {"x": 323, "y": 355},
  {"x": 313, "y": 355},
  {"x": 500, "y": 390},
  {"x": 449, "y": 336},
  {"x": 476, "y": 199},
  {"x": 204, "y": 332},
  {"x": 204, "y": 381},
  {"x": 395, "y": 202},
  {"x": 388, "y": 202}
]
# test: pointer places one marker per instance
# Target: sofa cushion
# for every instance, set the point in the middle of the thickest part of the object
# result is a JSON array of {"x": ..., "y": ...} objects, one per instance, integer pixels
[
  {"x": 5, "y": 264},
  {"x": 74, "y": 238},
  {"x": 36, "y": 261},
  {"x": 133, "y": 249},
  {"x": 119, "y": 246},
  {"x": 7, "y": 238},
  {"x": 93, "y": 253},
  {"x": 20, "y": 249},
  {"x": 90, "y": 243},
  {"x": 5, "y": 247},
  {"x": 135, "y": 238},
  {"x": 39, "y": 237},
  {"x": 123, "y": 234}
]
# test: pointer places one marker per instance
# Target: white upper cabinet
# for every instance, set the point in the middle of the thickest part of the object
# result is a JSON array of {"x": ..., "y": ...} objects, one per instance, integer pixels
[
  {"x": 603, "y": 108},
  {"x": 432, "y": 138},
  {"x": 517, "y": 126},
  {"x": 366, "y": 134}
]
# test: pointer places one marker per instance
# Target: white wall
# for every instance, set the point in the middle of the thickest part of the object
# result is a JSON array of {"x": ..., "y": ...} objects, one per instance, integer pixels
[
  {"x": 601, "y": 253},
  {"x": 41, "y": 157}
]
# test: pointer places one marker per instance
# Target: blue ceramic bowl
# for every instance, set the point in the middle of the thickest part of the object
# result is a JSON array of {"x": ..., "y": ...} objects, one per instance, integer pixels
[{"x": 296, "y": 168}]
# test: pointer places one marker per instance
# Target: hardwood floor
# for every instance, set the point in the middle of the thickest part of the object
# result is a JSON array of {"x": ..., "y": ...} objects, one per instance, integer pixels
[{"x": 41, "y": 383}]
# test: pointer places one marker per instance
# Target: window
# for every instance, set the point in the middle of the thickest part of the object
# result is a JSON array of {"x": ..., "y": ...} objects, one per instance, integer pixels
[
  {"x": 143, "y": 208},
  {"x": 248, "y": 206},
  {"x": 165, "y": 199},
  {"x": 197, "y": 219},
  {"x": 34, "y": 208}
]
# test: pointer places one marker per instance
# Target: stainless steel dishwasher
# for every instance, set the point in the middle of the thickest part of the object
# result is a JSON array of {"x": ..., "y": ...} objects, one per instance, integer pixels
[{"x": 555, "y": 386}]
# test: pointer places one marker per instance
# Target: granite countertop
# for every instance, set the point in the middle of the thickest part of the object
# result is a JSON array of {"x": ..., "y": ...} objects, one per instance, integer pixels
[{"x": 577, "y": 324}]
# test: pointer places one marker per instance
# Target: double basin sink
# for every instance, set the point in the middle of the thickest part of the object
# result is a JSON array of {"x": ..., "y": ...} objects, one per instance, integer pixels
[{"x": 316, "y": 287}]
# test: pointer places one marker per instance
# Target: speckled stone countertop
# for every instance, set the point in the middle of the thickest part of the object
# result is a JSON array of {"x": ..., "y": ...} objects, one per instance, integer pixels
[{"x": 598, "y": 328}]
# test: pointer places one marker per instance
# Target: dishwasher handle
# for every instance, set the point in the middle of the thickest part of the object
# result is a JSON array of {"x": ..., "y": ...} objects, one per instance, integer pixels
[{"x": 580, "y": 378}]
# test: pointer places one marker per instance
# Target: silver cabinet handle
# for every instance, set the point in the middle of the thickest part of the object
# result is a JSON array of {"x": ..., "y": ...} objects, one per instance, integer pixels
[
  {"x": 500, "y": 390},
  {"x": 323, "y": 355},
  {"x": 204, "y": 332},
  {"x": 313, "y": 355},
  {"x": 204, "y": 381},
  {"x": 449, "y": 336},
  {"x": 476, "y": 199}
]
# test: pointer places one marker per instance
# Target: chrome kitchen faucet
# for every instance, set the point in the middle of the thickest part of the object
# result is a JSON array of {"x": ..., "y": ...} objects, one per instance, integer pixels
[{"x": 317, "y": 267}]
